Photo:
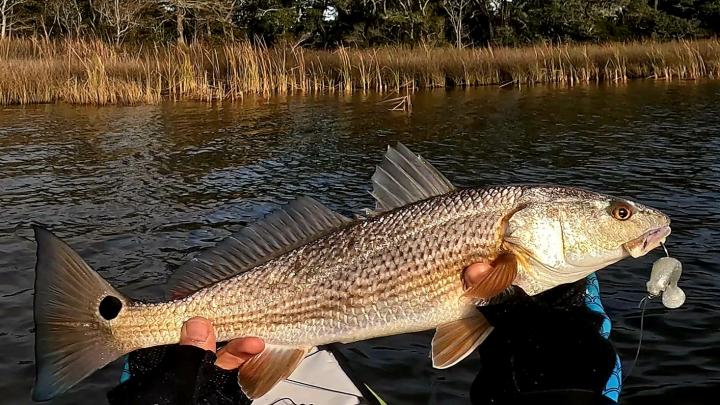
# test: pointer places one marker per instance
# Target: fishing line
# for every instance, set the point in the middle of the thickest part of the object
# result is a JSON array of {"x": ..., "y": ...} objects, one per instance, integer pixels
[
  {"x": 322, "y": 388},
  {"x": 643, "y": 305},
  {"x": 665, "y": 249},
  {"x": 316, "y": 386},
  {"x": 312, "y": 354},
  {"x": 283, "y": 400}
]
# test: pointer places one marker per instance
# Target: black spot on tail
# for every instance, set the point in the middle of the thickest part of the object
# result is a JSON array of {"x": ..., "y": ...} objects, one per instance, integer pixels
[{"x": 110, "y": 307}]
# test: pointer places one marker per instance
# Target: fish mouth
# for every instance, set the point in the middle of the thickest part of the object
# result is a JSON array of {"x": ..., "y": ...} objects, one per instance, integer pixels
[{"x": 648, "y": 241}]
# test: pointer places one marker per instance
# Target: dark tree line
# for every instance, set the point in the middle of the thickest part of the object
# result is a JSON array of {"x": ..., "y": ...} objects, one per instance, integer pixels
[{"x": 327, "y": 23}]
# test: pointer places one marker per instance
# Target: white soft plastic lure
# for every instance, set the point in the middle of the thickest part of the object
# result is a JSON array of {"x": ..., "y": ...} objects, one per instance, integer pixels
[{"x": 663, "y": 281}]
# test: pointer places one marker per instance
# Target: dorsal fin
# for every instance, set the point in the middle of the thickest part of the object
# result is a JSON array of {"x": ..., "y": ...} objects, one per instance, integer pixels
[
  {"x": 299, "y": 222},
  {"x": 404, "y": 177}
]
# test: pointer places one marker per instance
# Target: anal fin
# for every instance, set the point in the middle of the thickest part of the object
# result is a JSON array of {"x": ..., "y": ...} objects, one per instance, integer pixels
[
  {"x": 453, "y": 341},
  {"x": 496, "y": 280},
  {"x": 262, "y": 372}
]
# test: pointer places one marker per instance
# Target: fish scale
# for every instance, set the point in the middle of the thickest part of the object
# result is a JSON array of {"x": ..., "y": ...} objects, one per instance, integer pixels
[{"x": 411, "y": 257}]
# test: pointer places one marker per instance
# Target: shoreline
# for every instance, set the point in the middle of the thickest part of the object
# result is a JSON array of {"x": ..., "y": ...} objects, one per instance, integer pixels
[{"x": 34, "y": 71}]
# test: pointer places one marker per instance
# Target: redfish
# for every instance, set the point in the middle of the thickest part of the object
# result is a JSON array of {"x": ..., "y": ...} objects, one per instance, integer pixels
[{"x": 307, "y": 276}]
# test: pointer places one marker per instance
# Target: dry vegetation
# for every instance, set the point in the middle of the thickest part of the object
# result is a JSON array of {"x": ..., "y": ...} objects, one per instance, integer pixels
[{"x": 92, "y": 72}]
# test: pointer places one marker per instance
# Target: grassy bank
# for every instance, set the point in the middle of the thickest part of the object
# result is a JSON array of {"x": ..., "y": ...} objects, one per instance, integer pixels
[{"x": 92, "y": 72}]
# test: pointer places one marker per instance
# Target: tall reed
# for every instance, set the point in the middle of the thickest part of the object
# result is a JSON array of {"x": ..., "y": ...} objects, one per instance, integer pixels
[{"x": 93, "y": 72}]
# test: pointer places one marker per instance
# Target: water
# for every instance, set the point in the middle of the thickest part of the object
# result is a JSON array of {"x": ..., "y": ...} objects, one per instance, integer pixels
[{"x": 139, "y": 190}]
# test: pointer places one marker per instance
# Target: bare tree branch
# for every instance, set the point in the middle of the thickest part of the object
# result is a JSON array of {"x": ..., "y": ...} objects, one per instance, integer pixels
[
  {"x": 120, "y": 15},
  {"x": 8, "y": 16},
  {"x": 456, "y": 10}
]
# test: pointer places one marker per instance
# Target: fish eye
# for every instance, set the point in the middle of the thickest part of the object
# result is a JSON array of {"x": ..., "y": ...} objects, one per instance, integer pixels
[{"x": 622, "y": 212}]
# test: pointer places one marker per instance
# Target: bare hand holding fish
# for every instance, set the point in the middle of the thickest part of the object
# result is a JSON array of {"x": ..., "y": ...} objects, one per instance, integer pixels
[
  {"x": 200, "y": 333},
  {"x": 307, "y": 276}
]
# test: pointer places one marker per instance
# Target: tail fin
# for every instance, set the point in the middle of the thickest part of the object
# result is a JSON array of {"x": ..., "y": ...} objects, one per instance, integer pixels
[{"x": 73, "y": 308}]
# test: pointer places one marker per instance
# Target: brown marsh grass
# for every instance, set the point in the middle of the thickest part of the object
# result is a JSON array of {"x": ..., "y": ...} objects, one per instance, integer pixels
[{"x": 93, "y": 72}]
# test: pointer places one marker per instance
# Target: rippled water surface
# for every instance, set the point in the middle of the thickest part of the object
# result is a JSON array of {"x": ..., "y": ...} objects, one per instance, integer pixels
[{"x": 139, "y": 190}]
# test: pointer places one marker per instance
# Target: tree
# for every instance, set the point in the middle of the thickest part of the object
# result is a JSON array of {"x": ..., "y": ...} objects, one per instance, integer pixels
[
  {"x": 222, "y": 14},
  {"x": 205, "y": 12},
  {"x": 573, "y": 19},
  {"x": 120, "y": 16},
  {"x": 8, "y": 16},
  {"x": 410, "y": 21},
  {"x": 328, "y": 23},
  {"x": 456, "y": 10},
  {"x": 68, "y": 15}
]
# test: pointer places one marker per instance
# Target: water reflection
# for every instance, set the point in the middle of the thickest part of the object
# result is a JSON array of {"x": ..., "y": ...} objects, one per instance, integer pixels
[{"x": 137, "y": 190}]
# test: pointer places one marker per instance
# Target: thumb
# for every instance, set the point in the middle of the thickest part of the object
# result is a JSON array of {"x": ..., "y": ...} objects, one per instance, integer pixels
[{"x": 198, "y": 332}]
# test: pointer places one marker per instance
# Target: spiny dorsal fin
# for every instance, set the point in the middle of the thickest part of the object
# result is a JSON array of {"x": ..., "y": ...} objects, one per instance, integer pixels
[
  {"x": 299, "y": 222},
  {"x": 263, "y": 371},
  {"x": 404, "y": 177},
  {"x": 453, "y": 341}
]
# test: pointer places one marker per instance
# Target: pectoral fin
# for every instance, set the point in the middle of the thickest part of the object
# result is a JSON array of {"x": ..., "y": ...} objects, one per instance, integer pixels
[
  {"x": 455, "y": 340},
  {"x": 496, "y": 280},
  {"x": 261, "y": 373}
]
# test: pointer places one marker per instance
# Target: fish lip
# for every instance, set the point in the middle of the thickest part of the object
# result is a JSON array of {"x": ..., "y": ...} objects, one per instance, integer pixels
[{"x": 647, "y": 241}]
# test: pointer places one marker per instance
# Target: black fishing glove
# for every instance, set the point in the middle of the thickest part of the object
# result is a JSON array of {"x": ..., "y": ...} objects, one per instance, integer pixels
[
  {"x": 544, "y": 349},
  {"x": 177, "y": 375}
]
